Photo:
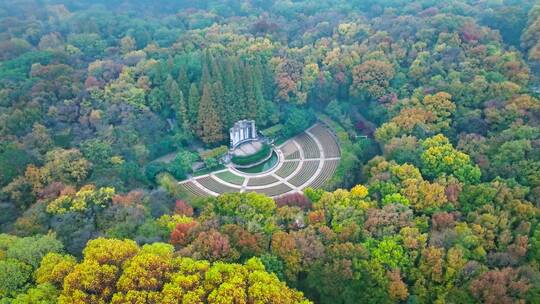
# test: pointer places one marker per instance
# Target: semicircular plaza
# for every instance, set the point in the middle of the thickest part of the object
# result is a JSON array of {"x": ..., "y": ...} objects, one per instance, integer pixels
[{"x": 307, "y": 160}]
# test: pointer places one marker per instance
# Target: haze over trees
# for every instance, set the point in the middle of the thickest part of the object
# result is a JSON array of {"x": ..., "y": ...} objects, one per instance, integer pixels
[{"x": 105, "y": 105}]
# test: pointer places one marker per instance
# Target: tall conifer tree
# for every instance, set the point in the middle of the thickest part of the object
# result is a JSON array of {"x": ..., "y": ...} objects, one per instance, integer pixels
[
  {"x": 266, "y": 110},
  {"x": 183, "y": 81},
  {"x": 210, "y": 126},
  {"x": 230, "y": 92},
  {"x": 218, "y": 94},
  {"x": 179, "y": 105},
  {"x": 193, "y": 104},
  {"x": 249, "y": 89},
  {"x": 240, "y": 103},
  {"x": 267, "y": 81},
  {"x": 214, "y": 68},
  {"x": 205, "y": 77}
]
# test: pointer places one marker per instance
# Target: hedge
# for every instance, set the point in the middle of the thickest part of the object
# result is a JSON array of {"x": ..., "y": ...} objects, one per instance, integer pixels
[
  {"x": 273, "y": 131},
  {"x": 214, "y": 153},
  {"x": 253, "y": 158}
]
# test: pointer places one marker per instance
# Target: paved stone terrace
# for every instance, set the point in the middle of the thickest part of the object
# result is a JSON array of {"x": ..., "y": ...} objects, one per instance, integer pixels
[{"x": 306, "y": 160}]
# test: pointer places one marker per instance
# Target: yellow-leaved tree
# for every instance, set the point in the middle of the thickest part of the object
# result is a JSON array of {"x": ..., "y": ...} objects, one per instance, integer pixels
[{"x": 120, "y": 271}]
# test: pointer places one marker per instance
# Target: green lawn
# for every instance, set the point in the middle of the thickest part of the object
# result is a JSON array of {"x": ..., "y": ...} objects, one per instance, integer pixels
[
  {"x": 231, "y": 177},
  {"x": 253, "y": 158},
  {"x": 206, "y": 170}
]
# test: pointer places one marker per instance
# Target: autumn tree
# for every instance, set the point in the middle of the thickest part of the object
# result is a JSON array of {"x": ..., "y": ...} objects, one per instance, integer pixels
[
  {"x": 529, "y": 37},
  {"x": 439, "y": 157},
  {"x": 151, "y": 274},
  {"x": 54, "y": 268},
  {"x": 506, "y": 285},
  {"x": 372, "y": 78}
]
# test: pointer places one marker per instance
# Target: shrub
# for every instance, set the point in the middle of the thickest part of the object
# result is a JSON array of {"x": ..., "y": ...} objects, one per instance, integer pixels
[
  {"x": 213, "y": 153},
  {"x": 250, "y": 159}
]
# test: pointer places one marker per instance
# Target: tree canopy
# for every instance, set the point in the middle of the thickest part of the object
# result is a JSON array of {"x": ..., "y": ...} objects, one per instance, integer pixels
[{"x": 106, "y": 105}]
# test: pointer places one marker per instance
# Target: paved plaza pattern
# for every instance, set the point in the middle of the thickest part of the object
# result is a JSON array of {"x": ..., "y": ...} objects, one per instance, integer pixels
[{"x": 306, "y": 160}]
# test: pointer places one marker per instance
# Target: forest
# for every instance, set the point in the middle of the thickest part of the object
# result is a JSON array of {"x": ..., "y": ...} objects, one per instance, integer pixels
[{"x": 106, "y": 105}]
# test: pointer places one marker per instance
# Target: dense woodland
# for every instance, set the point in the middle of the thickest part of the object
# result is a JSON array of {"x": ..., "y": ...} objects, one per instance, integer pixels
[{"x": 104, "y": 105}]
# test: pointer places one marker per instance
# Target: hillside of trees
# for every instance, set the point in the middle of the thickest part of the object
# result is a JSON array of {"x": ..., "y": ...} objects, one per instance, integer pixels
[{"x": 105, "y": 105}]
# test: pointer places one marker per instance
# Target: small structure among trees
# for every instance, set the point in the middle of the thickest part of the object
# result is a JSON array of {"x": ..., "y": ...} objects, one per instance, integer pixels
[
  {"x": 243, "y": 131},
  {"x": 247, "y": 148}
]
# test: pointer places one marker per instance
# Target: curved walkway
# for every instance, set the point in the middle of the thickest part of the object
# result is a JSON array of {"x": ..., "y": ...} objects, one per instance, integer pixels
[{"x": 272, "y": 184}]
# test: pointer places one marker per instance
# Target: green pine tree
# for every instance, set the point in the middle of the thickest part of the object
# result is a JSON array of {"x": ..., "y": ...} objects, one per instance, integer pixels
[
  {"x": 183, "y": 81},
  {"x": 210, "y": 125},
  {"x": 229, "y": 92},
  {"x": 239, "y": 102},
  {"x": 205, "y": 77},
  {"x": 218, "y": 94},
  {"x": 249, "y": 91},
  {"x": 193, "y": 104},
  {"x": 177, "y": 100},
  {"x": 266, "y": 79},
  {"x": 215, "y": 71},
  {"x": 267, "y": 112}
]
